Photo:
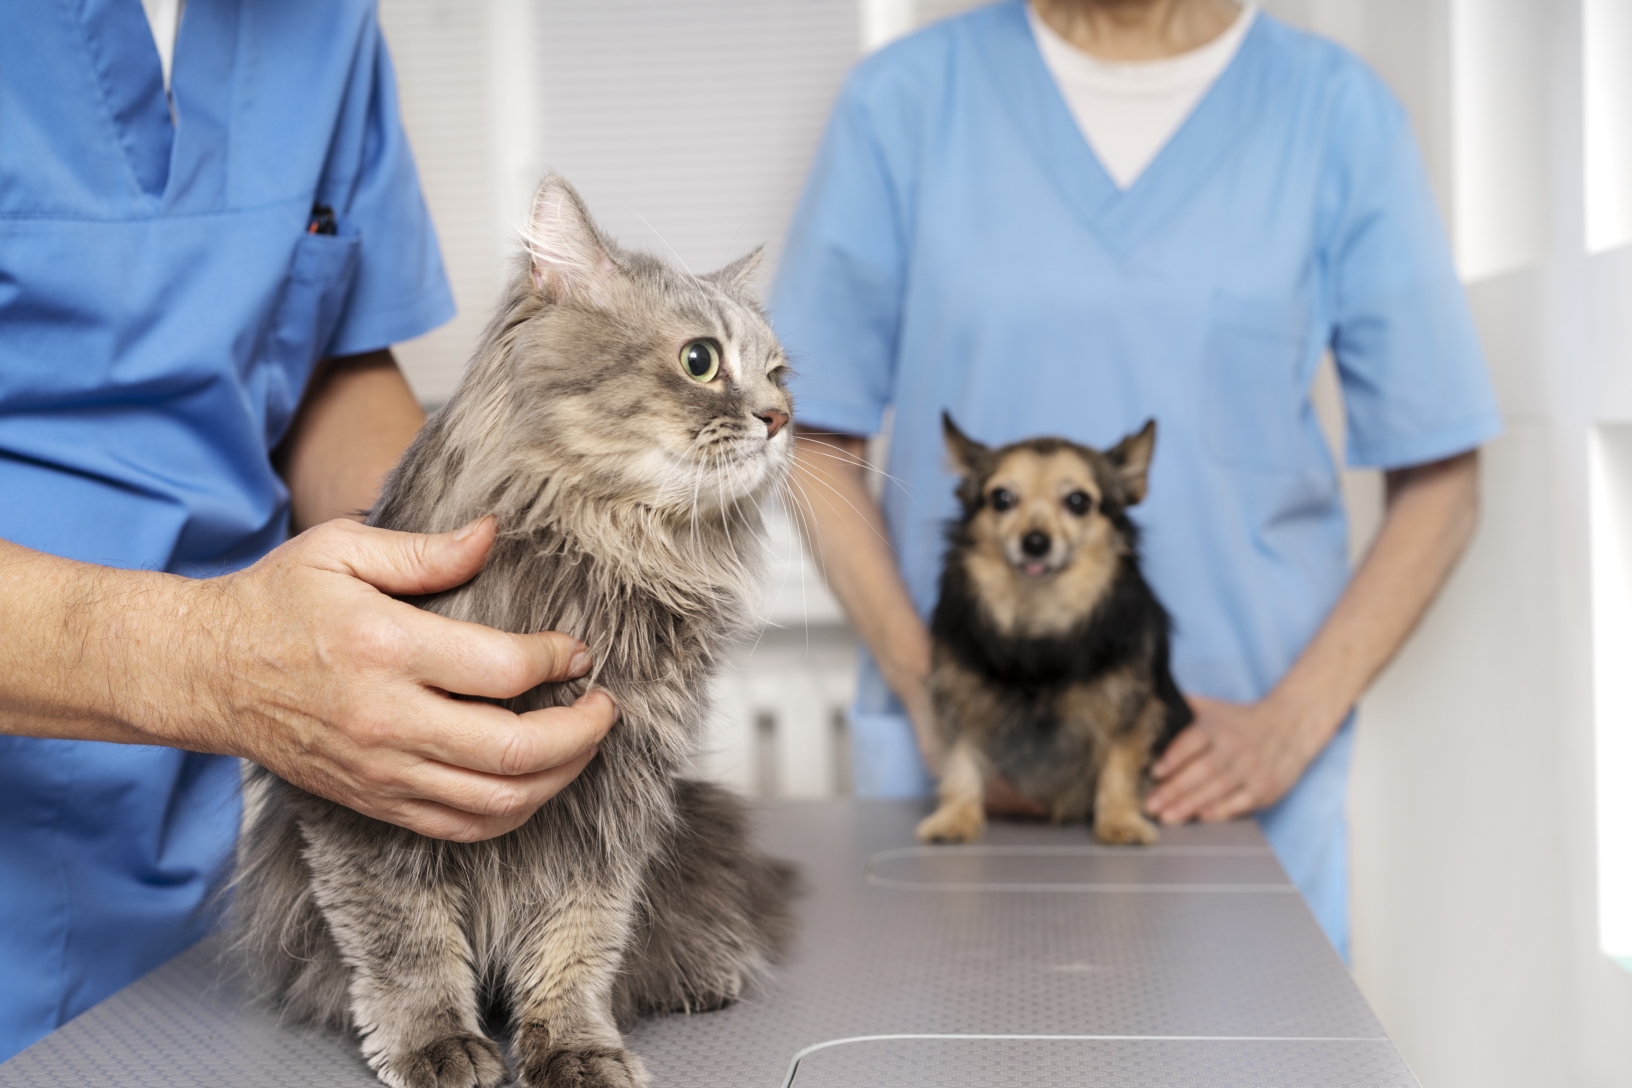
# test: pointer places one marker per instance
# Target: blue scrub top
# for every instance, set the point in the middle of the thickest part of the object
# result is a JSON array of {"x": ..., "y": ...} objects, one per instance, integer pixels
[
  {"x": 958, "y": 246},
  {"x": 161, "y": 307}
]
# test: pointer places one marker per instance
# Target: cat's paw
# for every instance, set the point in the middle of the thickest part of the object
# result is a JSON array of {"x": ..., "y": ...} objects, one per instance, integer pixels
[
  {"x": 458, "y": 1060},
  {"x": 953, "y": 823},
  {"x": 1124, "y": 829},
  {"x": 584, "y": 1067}
]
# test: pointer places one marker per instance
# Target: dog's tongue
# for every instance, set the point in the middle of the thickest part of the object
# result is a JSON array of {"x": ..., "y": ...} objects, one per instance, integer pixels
[{"x": 1036, "y": 567}]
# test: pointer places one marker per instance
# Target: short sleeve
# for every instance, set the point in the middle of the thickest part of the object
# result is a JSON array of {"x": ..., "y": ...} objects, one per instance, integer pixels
[
  {"x": 1415, "y": 386},
  {"x": 836, "y": 302},
  {"x": 400, "y": 290}
]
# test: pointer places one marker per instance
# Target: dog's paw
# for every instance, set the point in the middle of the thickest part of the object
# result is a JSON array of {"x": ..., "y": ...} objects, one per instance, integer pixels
[
  {"x": 1124, "y": 829},
  {"x": 584, "y": 1067},
  {"x": 457, "y": 1060},
  {"x": 953, "y": 823}
]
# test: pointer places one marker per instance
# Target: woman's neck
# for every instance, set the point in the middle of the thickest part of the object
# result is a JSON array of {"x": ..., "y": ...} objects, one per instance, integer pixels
[{"x": 1136, "y": 30}]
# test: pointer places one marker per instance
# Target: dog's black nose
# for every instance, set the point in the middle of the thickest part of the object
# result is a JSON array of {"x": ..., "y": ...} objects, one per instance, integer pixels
[{"x": 1034, "y": 544}]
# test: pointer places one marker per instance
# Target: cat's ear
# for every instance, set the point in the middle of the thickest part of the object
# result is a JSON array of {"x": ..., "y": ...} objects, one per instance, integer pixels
[
  {"x": 568, "y": 257},
  {"x": 1131, "y": 456},
  {"x": 968, "y": 456},
  {"x": 739, "y": 274}
]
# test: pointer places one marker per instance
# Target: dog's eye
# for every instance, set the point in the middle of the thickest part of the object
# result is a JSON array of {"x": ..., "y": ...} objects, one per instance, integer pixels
[
  {"x": 1079, "y": 502},
  {"x": 1001, "y": 499}
]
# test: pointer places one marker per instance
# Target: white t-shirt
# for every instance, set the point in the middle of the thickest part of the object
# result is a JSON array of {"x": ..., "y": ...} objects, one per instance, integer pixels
[
  {"x": 163, "y": 18},
  {"x": 1128, "y": 111}
]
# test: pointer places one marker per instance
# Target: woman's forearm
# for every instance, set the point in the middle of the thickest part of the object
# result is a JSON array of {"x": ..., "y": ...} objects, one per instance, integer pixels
[
  {"x": 1432, "y": 512},
  {"x": 94, "y": 653},
  {"x": 844, "y": 530},
  {"x": 356, "y": 418},
  {"x": 1239, "y": 757}
]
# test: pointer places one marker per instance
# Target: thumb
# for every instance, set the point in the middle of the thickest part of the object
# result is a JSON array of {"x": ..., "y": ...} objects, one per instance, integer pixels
[{"x": 412, "y": 564}]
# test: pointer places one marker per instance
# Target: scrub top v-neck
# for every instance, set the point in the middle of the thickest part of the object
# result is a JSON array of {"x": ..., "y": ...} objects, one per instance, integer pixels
[
  {"x": 162, "y": 304},
  {"x": 958, "y": 246}
]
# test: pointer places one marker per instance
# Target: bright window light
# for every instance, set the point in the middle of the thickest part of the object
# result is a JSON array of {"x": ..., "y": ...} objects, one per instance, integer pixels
[
  {"x": 1607, "y": 89},
  {"x": 883, "y": 21},
  {"x": 1498, "y": 135},
  {"x": 1610, "y": 468}
]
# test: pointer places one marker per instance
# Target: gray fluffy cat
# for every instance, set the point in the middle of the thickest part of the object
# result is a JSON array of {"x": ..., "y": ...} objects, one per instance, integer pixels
[{"x": 624, "y": 421}]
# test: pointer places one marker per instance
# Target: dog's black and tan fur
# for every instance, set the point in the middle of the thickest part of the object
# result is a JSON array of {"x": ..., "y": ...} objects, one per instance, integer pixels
[{"x": 1050, "y": 657}]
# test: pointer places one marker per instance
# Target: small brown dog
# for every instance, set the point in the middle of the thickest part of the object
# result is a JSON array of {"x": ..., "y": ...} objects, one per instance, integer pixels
[{"x": 1050, "y": 657}]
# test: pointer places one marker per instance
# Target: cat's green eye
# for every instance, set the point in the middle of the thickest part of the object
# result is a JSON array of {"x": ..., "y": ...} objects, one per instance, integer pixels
[{"x": 701, "y": 358}]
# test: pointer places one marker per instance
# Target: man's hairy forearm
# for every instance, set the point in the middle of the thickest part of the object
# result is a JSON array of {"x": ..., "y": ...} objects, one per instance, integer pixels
[
  {"x": 85, "y": 646},
  {"x": 1432, "y": 512},
  {"x": 97, "y": 653},
  {"x": 309, "y": 664}
]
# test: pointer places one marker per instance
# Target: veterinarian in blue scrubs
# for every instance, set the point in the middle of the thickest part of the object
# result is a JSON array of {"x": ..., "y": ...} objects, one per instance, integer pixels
[
  {"x": 167, "y": 284},
  {"x": 961, "y": 246}
]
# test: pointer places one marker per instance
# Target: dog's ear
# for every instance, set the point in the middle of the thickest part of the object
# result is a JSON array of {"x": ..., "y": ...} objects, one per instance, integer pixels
[
  {"x": 967, "y": 455},
  {"x": 1131, "y": 456}
]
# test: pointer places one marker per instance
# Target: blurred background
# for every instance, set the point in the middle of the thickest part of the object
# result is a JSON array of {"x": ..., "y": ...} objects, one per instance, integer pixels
[{"x": 1492, "y": 794}]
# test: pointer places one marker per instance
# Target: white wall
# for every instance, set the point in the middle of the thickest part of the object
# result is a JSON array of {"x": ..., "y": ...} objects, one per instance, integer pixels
[
  {"x": 1475, "y": 825},
  {"x": 1474, "y": 804}
]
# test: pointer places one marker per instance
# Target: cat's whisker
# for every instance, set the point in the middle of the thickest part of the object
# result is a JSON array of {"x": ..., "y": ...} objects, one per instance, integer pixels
[
  {"x": 858, "y": 512},
  {"x": 844, "y": 455},
  {"x": 666, "y": 245},
  {"x": 810, "y": 531},
  {"x": 796, "y": 550},
  {"x": 696, "y": 497},
  {"x": 810, "y": 528},
  {"x": 725, "y": 522}
]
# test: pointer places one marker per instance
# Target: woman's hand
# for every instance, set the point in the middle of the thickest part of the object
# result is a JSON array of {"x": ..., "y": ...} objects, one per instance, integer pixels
[{"x": 1235, "y": 758}]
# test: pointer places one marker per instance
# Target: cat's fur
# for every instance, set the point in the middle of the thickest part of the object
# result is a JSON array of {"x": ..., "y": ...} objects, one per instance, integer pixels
[{"x": 628, "y": 499}]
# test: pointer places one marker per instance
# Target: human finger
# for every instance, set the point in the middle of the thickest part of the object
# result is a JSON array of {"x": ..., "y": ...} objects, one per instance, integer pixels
[
  {"x": 1180, "y": 751},
  {"x": 501, "y": 797},
  {"x": 403, "y": 564},
  {"x": 471, "y": 659},
  {"x": 1173, "y": 799},
  {"x": 1193, "y": 801},
  {"x": 1237, "y": 803},
  {"x": 438, "y": 820},
  {"x": 487, "y": 739}
]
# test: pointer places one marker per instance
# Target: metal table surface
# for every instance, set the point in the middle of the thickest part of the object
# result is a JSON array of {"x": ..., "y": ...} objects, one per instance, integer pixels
[{"x": 1036, "y": 958}]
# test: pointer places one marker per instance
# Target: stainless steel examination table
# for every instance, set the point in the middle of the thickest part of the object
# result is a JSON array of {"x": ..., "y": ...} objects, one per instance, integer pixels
[{"x": 1034, "y": 959}]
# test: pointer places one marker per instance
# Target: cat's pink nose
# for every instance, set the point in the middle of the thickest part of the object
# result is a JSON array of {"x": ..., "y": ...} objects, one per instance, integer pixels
[{"x": 774, "y": 421}]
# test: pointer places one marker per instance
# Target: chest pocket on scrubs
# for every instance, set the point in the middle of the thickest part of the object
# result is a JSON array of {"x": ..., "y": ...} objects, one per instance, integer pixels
[
  {"x": 314, "y": 297},
  {"x": 1252, "y": 408}
]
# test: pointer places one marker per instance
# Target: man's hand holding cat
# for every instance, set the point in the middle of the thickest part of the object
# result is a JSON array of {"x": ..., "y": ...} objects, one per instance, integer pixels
[
  {"x": 305, "y": 664},
  {"x": 343, "y": 691}
]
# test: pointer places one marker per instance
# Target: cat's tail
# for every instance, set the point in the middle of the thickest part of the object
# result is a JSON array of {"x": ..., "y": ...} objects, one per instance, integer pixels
[
  {"x": 279, "y": 939},
  {"x": 715, "y": 913}
]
